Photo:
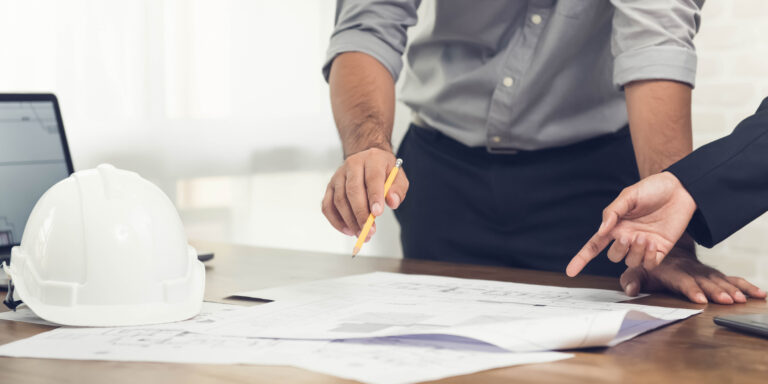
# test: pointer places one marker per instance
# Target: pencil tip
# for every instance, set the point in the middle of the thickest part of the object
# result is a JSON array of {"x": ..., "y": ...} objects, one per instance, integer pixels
[{"x": 355, "y": 251}]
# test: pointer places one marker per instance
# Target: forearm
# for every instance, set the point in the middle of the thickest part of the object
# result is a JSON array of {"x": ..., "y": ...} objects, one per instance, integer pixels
[
  {"x": 363, "y": 102},
  {"x": 660, "y": 123}
]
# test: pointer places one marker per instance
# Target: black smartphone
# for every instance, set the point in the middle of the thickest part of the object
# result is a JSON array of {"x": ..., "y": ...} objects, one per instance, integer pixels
[{"x": 756, "y": 324}]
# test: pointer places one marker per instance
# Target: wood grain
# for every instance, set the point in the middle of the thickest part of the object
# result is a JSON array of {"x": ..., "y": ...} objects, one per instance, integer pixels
[{"x": 691, "y": 351}]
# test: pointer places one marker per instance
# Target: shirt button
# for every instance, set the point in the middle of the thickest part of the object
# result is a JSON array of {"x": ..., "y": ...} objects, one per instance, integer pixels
[
  {"x": 508, "y": 81},
  {"x": 536, "y": 19},
  {"x": 496, "y": 139}
]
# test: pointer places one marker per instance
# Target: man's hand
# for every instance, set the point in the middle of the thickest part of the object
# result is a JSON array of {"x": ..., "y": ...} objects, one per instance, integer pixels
[
  {"x": 357, "y": 190},
  {"x": 689, "y": 277},
  {"x": 363, "y": 102},
  {"x": 645, "y": 222}
]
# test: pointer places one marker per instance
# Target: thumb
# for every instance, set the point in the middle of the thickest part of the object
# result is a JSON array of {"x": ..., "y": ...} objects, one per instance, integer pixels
[
  {"x": 633, "y": 280},
  {"x": 398, "y": 190}
]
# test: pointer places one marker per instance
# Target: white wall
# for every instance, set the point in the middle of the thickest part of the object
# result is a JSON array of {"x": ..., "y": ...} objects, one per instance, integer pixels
[
  {"x": 220, "y": 102},
  {"x": 732, "y": 81},
  {"x": 213, "y": 80}
]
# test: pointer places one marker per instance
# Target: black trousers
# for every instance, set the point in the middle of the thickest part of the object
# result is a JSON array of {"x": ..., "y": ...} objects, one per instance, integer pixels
[{"x": 527, "y": 210}]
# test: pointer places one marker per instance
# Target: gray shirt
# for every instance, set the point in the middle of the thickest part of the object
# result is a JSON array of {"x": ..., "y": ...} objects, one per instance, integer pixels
[{"x": 522, "y": 74}]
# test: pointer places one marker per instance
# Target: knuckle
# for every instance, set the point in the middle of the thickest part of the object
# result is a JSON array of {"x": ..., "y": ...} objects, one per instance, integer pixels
[
  {"x": 339, "y": 199},
  {"x": 692, "y": 292},
  {"x": 740, "y": 281},
  {"x": 361, "y": 214},
  {"x": 592, "y": 247},
  {"x": 686, "y": 282},
  {"x": 351, "y": 179},
  {"x": 372, "y": 176},
  {"x": 353, "y": 188}
]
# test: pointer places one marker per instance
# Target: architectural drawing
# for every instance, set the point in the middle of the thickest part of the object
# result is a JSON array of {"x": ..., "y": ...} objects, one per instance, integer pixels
[
  {"x": 516, "y": 317},
  {"x": 375, "y": 361}
]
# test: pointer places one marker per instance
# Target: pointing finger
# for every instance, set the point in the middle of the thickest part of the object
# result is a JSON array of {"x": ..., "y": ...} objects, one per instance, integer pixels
[
  {"x": 618, "y": 208},
  {"x": 589, "y": 251}
]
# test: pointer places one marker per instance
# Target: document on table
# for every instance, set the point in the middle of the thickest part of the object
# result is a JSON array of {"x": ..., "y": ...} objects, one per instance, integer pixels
[
  {"x": 379, "y": 328},
  {"x": 515, "y": 317},
  {"x": 25, "y": 315},
  {"x": 375, "y": 361}
]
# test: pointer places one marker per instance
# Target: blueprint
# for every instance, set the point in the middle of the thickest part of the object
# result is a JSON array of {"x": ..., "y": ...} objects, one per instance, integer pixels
[
  {"x": 396, "y": 286},
  {"x": 379, "y": 328},
  {"x": 375, "y": 361},
  {"x": 515, "y": 317},
  {"x": 205, "y": 317}
]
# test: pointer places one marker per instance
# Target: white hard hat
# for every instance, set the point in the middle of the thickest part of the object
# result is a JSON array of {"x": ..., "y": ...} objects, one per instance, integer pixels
[{"x": 106, "y": 247}]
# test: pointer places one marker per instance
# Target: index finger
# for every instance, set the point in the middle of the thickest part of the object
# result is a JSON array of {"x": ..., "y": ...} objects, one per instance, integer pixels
[
  {"x": 589, "y": 251},
  {"x": 617, "y": 209}
]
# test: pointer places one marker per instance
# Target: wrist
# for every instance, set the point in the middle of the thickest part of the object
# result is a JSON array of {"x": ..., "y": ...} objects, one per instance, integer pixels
[
  {"x": 681, "y": 195},
  {"x": 382, "y": 145}
]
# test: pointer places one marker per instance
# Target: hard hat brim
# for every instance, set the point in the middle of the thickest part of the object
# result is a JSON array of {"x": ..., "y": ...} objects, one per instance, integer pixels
[{"x": 115, "y": 315}]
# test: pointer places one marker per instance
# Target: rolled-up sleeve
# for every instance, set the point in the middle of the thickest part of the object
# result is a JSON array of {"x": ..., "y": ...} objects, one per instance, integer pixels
[
  {"x": 376, "y": 28},
  {"x": 653, "y": 39}
]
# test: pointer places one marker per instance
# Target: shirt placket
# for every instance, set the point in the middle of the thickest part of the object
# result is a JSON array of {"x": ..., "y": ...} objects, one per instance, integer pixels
[{"x": 517, "y": 58}]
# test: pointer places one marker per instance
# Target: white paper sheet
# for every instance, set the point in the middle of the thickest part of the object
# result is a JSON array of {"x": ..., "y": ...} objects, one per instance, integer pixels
[
  {"x": 516, "y": 317},
  {"x": 376, "y": 361},
  {"x": 378, "y": 328},
  {"x": 25, "y": 315},
  {"x": 397, "y": 285}
]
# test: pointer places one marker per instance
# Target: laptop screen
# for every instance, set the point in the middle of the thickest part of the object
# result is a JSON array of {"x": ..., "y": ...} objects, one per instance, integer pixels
[{"x": 33, "y": 157}]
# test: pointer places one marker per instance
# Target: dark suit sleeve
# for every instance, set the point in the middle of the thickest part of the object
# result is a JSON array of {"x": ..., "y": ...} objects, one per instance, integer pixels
[{"x": 728, "y": 179}]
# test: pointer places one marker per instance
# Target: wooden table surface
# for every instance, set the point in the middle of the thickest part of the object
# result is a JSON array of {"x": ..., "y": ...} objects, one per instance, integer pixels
[{"x": 691, "y": 351}]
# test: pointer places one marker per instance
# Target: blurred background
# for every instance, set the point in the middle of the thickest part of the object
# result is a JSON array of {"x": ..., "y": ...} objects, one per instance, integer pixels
[{"x": 222, "y": 104}]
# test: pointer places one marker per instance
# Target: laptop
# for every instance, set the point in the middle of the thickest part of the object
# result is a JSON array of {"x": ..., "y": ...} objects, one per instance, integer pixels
[{"x": 34, "y": 156}]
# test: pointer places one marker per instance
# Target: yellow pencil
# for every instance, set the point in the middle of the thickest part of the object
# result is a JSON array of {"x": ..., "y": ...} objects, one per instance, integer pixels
[{"x": 369, "y": 222}]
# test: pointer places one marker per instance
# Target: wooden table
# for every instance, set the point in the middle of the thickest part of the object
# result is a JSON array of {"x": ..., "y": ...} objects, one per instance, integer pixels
[{"x": 691, "y": 351}]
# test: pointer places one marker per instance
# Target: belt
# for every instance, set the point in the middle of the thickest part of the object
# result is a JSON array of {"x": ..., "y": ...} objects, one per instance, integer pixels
[{"x": 418, "y": 121}]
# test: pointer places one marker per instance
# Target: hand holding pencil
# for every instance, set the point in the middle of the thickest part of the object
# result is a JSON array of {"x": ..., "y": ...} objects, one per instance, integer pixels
[
  {"x": 356, "y": 190},
  {"x": 369, "y": 222}
]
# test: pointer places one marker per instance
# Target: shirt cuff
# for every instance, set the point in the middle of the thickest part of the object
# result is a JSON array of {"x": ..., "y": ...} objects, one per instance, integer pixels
[
  {"x": 655, "y": 63},
  {"x": 361, "y": 41},
  {"x": 698, "y": 227}
]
